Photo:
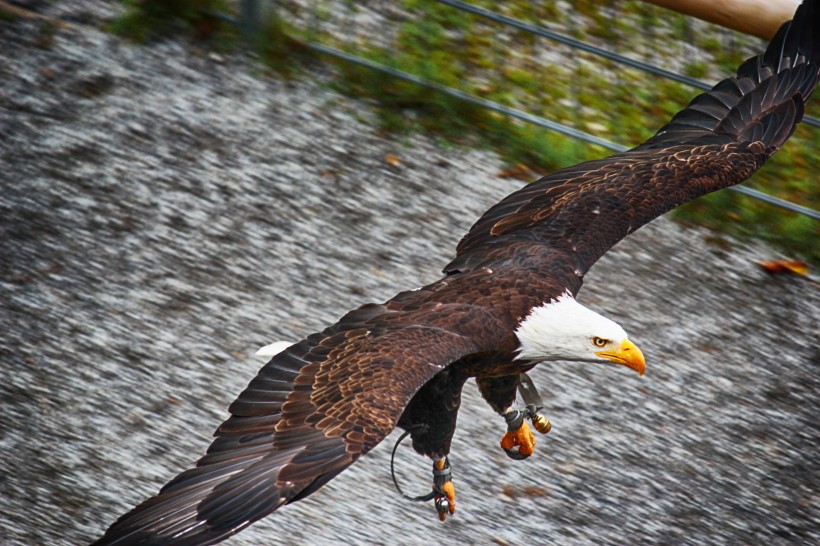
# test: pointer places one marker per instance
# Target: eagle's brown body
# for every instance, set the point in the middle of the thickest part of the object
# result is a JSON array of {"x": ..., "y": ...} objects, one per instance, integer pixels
[{"x": 318, "y": 406}]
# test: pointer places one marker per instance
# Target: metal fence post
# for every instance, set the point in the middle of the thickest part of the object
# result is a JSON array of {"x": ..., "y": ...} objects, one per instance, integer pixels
[{"x": 251, "y": 16}]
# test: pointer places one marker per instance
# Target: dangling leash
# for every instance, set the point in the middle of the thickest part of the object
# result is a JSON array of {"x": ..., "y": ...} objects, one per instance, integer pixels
[
  {"x": 418, "y": 498},
  {"x": 440, "y": 477},
  {"x": 529, "y": 392}
]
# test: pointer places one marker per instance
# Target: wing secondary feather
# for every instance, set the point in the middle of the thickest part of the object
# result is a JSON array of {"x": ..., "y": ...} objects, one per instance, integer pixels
[{"x": 309, "y": 414}]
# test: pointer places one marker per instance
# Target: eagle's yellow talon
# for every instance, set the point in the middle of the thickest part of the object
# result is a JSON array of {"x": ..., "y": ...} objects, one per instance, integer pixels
[
  {"x": 446, "y": 503},
  {"x": 445, "y": 499},
  {"x": 523, "y": 438}
]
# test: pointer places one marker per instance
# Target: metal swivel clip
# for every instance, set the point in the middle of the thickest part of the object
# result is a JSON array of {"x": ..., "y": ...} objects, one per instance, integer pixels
[{"x": 515, "y": 420}]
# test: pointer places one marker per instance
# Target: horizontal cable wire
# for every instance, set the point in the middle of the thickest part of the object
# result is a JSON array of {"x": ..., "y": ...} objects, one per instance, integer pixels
[
  {"x": 577, "y": 44},
  {"x": 537, "y": 120}
]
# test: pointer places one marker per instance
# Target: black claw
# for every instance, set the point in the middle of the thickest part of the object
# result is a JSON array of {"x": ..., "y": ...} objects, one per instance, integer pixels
[{"x": 514, "y": 454}]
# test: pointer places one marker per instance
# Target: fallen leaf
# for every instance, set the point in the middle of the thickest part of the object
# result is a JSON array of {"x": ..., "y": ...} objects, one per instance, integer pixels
[
  {"x": 519, "y": 171},
  {"x": 798, "y": 267},
  {"x": 535, "y": 491},
  {"x": 510, "y": 491},
  {"x": 392, "y": 160},
  {"x": 514, "y": 492}
]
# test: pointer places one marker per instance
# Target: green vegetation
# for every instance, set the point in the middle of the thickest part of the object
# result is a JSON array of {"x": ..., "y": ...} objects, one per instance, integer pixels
[
  {"x": 517, "y": 69},
  {"x": 147, "y": 19},
  {"x": 280, "y": 48},
  {"x": 7, "y": 16}
]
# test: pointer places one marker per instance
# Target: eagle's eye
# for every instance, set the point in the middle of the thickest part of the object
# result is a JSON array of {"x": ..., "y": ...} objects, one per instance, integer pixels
[{"x": 599, "y": 341}]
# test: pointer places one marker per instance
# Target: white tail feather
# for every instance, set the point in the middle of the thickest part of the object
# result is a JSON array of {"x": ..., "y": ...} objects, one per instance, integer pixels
[{"x": 274, "y": 348}]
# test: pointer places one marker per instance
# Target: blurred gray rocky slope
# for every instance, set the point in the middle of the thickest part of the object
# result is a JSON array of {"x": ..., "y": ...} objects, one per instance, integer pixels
[{"x": 164, "y": 214}]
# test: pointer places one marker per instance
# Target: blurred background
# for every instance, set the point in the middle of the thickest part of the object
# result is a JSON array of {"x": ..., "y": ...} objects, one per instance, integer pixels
[
  {"x": 183, "y": 182},
  {"x": 519, "y": 77}
]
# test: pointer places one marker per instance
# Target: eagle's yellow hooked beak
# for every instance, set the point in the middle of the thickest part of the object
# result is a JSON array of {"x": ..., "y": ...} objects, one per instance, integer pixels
[{"x": 627, "y": 354}]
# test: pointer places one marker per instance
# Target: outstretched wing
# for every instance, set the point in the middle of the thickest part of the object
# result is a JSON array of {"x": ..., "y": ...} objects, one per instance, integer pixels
[
  {"x": 719, "y": 140},
  {"x": 309, "y": 414}
]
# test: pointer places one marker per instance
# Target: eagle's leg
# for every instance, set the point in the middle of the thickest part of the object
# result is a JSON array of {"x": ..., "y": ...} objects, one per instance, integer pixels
[
  {"x": 431, "y": 419},
  {"x": 518, "y": 434},
  {"x": 445, "y": 499},
  {"x": 500, "y": 393}
]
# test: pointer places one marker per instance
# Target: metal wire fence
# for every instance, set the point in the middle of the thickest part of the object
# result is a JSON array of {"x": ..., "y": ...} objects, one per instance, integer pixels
[{"x": 509, "y": 61}]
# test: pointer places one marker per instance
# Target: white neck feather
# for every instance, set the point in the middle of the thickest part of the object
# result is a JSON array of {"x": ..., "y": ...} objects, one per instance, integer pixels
[{"x": 563, "y": 330}]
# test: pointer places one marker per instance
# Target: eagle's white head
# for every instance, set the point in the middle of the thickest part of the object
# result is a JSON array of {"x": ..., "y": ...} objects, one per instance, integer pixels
[{"x": 566, "y": 330}]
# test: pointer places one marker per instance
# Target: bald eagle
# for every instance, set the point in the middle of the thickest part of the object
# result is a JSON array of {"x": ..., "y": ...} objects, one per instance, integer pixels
[{"x": 505, "y": 303}]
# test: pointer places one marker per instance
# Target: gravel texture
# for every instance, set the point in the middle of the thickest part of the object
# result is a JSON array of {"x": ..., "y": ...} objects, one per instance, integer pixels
[{"x": 165, "y": 211}]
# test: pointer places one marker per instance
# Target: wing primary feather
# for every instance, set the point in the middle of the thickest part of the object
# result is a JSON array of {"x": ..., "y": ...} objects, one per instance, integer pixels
[{"x": 719, "y": 140}]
